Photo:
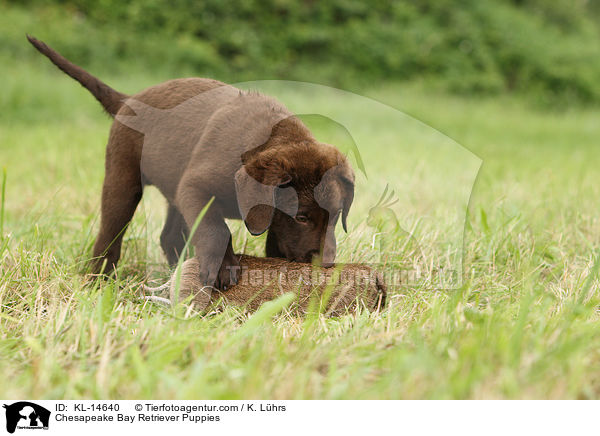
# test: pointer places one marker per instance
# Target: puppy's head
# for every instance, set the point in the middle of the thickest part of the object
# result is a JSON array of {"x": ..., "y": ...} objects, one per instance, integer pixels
[{"x": 298, "y": 191}]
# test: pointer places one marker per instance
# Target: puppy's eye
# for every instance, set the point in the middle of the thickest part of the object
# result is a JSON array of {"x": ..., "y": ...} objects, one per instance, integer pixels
[{"x": 302, "y": 219}]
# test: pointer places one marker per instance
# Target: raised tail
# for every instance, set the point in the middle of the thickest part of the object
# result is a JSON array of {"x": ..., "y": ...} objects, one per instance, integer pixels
[{"x": 110, "y": 99}]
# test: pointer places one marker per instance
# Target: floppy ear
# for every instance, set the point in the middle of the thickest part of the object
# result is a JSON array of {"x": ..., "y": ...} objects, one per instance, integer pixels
[
  {"x": 346, "y": 177},
  {"x": 347, "y": 202},
  {"x": 256, "y": 200},
  {"x": 336, "y": 186}
]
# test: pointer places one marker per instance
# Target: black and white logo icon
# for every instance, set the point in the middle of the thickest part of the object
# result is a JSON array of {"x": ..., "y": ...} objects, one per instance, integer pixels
[{"x": 24, "y": 415}]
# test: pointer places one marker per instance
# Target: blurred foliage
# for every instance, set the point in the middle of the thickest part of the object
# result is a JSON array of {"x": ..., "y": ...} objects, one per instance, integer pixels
[{"x": 550, "y": 49}]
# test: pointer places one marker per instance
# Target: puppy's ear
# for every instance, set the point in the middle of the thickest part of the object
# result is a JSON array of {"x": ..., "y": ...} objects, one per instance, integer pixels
[
  {"x": 336, "y": 189},
  {"x": 348, "y": 198},
  {"x": 346, "y": 177},
  {"x": 256, "y": 196}
]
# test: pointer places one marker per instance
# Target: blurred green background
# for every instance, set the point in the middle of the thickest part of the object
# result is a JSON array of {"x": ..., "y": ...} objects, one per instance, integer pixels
[{"x": 547, "y": 50}]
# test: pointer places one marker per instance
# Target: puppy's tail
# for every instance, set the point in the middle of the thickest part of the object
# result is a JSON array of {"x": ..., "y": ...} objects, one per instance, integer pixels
[{"x": 110, "y": 99}]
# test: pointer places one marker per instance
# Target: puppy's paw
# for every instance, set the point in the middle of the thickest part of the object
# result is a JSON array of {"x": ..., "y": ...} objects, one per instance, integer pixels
[{"x": 229, "y": 273}]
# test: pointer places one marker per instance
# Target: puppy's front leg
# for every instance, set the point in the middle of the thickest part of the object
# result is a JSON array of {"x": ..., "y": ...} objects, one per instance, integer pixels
[{"x": 219, "y": 266}]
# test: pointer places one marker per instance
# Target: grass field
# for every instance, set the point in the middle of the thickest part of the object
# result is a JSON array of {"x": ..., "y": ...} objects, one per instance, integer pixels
[{"x": 524, "y": 324}]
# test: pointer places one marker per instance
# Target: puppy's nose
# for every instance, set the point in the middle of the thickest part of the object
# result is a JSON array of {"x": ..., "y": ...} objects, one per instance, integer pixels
[
  {"x": 328, "y": 259},
  {"x": 324, "y": 261}
]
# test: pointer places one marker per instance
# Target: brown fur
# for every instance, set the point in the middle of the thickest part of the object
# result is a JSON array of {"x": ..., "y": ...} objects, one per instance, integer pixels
[
  {"x": 195, "y": 139},
  {"x": 264, "y": 279}
]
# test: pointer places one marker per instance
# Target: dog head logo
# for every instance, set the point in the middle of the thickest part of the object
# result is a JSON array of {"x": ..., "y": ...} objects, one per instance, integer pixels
[
  {"x": 26, "y": 415},
  {"x": 381, "y": 216}
]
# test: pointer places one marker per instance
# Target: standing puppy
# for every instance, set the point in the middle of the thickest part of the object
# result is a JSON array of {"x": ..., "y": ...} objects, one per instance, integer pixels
[{"x": 195, "y": 139}]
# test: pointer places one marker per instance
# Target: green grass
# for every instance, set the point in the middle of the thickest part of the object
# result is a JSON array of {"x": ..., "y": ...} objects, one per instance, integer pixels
[{"x": 523, "y": 325}]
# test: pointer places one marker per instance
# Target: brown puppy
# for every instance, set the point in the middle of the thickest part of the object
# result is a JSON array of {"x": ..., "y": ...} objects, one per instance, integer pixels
[{"x": 195, "y": 139}]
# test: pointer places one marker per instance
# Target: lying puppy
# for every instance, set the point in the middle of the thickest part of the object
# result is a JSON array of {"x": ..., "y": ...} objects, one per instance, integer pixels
[
  {"x": 195, "y": 139},
  {"x": 264, "y": 279}
]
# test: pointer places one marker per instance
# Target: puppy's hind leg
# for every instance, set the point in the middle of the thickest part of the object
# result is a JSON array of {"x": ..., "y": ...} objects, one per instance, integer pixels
[
  {"x": 174, "y": 235},
  {"x": 121, "y": 193},
  {"x": 120, "y": 198}
]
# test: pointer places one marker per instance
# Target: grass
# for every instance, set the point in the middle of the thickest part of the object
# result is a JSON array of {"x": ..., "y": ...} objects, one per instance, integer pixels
[{"x": 522, "y": 325}]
